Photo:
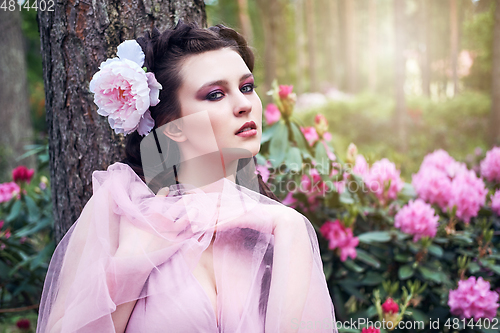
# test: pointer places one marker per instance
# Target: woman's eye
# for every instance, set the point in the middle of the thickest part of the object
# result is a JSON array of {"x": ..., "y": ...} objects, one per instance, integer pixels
[
  {"x": 215, "y": 95},
  {"x": 248, "y": 88}
]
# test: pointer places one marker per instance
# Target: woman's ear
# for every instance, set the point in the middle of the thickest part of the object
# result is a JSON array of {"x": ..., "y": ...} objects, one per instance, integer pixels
[{"x": 174, "y": 132}]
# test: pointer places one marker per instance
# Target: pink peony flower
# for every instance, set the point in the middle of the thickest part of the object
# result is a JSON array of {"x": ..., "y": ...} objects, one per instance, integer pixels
[
  {"x": 417, "y": 218},
  {"x": 272, "y": 114},
  {"x": 1, "y": 224},
  {"x": 390, "y": 306},
  {"x": 8, "y": 190},
  {"x": 383, "y": 173},
  {"x": 310, "y": 134},
  {"x": 22, "y": 174},
  {"x": 284, "y": 91},
  {"x": 495, "y": 202},
  {"x": 124, "y": 92},
  {"x": 473, "y": 299},
  {"x": 370, "y": 329},
  {"x": 340, "y": 237},
  {"x": 490, "y": 166},
  {"x": 468, "y": 194}
]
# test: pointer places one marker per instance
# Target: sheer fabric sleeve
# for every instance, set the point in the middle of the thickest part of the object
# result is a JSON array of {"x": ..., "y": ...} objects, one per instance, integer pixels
[{"x": 123, "y": 233}]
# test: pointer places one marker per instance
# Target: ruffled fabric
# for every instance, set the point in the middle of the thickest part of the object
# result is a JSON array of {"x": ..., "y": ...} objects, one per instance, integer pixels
[{"x": 130, "y": 245}]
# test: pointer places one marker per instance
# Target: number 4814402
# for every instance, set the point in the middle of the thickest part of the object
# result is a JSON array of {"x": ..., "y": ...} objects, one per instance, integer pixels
[{"x": 37, "y": 5}]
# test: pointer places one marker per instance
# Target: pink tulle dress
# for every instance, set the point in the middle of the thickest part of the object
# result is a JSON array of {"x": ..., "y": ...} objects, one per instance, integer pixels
[{"x": 129, "y": 244}]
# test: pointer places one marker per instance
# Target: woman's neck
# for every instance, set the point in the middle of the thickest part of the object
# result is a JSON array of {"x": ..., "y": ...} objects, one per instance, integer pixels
[{"x": 203, "y": 171}]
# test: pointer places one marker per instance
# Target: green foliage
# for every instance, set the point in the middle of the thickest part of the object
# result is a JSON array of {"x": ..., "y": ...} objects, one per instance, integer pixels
[
  {"x": 26, "y": 243},
  {"x": 418, "y": 275},
  {"x": 455, "y": 125}
]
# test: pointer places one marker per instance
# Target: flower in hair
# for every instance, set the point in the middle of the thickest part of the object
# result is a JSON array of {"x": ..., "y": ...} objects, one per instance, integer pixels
[{"x": 123, "y": 91}]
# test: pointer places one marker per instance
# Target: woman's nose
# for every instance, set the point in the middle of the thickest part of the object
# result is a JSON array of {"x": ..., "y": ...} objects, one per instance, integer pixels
[{"x": 242, "y": 104}]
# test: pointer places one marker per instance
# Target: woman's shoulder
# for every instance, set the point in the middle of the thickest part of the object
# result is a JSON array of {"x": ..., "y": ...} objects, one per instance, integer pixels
[{"x": 284, "y": 213}]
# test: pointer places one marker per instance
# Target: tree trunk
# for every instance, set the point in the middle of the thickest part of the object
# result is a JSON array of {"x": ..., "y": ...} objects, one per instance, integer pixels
[
  {"x": 333, "y": 59},
  {"x": 300, "y": 45},
  {"x": 350, "y": 41},
  {"x": 15, "y": 127},
  {"x": 399, "y": 73},
  {"x": 373, "y": 52},
  {"x": 270, "y": 12},
  {"x": 311, "y": 45},
  {"x": 494, "y": 137},
  {"x": 75, "y": 38},
  {"x": 425, "y": 60},
  {"x": 246, "y": 24},
  {"x": 454, "y": 44}
]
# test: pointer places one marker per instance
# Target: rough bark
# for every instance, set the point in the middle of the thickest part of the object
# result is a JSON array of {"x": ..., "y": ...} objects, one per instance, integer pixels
[
  {"x": 75, "y": 38},
  {"x": 494, "y": 137},
  {"x": 399, "y": 73},
  {"x": 15, "y": 127}
]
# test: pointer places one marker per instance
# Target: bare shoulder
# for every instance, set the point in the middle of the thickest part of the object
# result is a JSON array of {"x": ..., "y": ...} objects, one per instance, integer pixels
[{"x": 282, "y": 213}]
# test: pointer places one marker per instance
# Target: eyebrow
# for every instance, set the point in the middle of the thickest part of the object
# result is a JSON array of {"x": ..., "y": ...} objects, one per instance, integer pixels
[{"x": 224, "y": 82}]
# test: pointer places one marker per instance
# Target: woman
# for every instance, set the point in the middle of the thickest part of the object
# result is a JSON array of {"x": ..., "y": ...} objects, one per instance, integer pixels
[{"x": 213, "y": 250}]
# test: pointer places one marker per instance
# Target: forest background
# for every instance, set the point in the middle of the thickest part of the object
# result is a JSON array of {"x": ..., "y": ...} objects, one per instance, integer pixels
[{"x": 399, "y": 78}]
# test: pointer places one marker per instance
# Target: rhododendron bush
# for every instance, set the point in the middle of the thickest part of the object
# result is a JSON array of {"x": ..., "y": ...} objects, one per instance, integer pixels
[
  {"x": 393, "y": 249},
  {"x": 26, "y": 243}
]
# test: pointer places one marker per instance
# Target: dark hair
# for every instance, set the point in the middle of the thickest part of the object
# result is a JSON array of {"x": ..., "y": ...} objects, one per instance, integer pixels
[{"x": 164, "y": 54}]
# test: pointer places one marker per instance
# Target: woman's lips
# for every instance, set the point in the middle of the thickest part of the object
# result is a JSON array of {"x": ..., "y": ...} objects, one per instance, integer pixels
[{"x": 248, "y": 133}]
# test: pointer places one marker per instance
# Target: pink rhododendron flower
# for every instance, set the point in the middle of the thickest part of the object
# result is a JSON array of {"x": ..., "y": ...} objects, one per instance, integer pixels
[
  {"x": 263, "y": 170},
  {"x": 284, "y": 91},
  {"x": 289, "y": 200},
  {"x": 495, "y": 202},
  {"x": 8, "y": 190},
  {"x": 124, "y": 92},
  {"x": 384, "y": 173},
  {"x": 340, "y": 237},
  {"x": 361, "y": 167},
  {"x": 370, "y": 329},
  {"x": 23, "y": 324},
  {"x": 439, "y": 159},
  {"x": 473, "y": 299},
  {"x": 272, "y": 114},
  {"x": 433, "y": 185},
  {"x": 417, "y": 218},
  {"x": 390, "y": 306},
  {"x": 490, "y": 166},
  {"x": 468, "y": 194},
  {"x": 22, "y": 174},
  {"x": 341, "y": 184},
  {"x": 310, "y": 134}
]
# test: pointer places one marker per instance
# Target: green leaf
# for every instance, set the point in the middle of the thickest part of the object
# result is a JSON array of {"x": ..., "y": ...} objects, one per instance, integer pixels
[
  {"x": 300, "y": 140},
  {"x": 418, "y": 315},
  {"x": 352, "y": 266},
  {"x": 294, "y": 159},
  {"x": 31, "y": 229},
  {"x": 367, "y": 258},
  {"x": 436, "y": 250},
  {"x": 33, "y": 210},
  {"x": 372, "y": 279},
  {"x": 268, "y": 133},
  {"x": 430, "y": 274},
  {"x": 375, "y": 236},
  {"x": 279, "y": 144},
  {"x": 322, "y": 160},
  {"x": 405, "y": 272},
  {"x": 14, "y": 211},
  {"x": 346, "y": 198},
  {"x": 473, "y": 267},
  {"x": 43, "y": 256}
]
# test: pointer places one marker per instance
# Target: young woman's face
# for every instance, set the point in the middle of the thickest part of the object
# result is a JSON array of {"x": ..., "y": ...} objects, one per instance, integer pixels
[{"x": 220, "y": 83}]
